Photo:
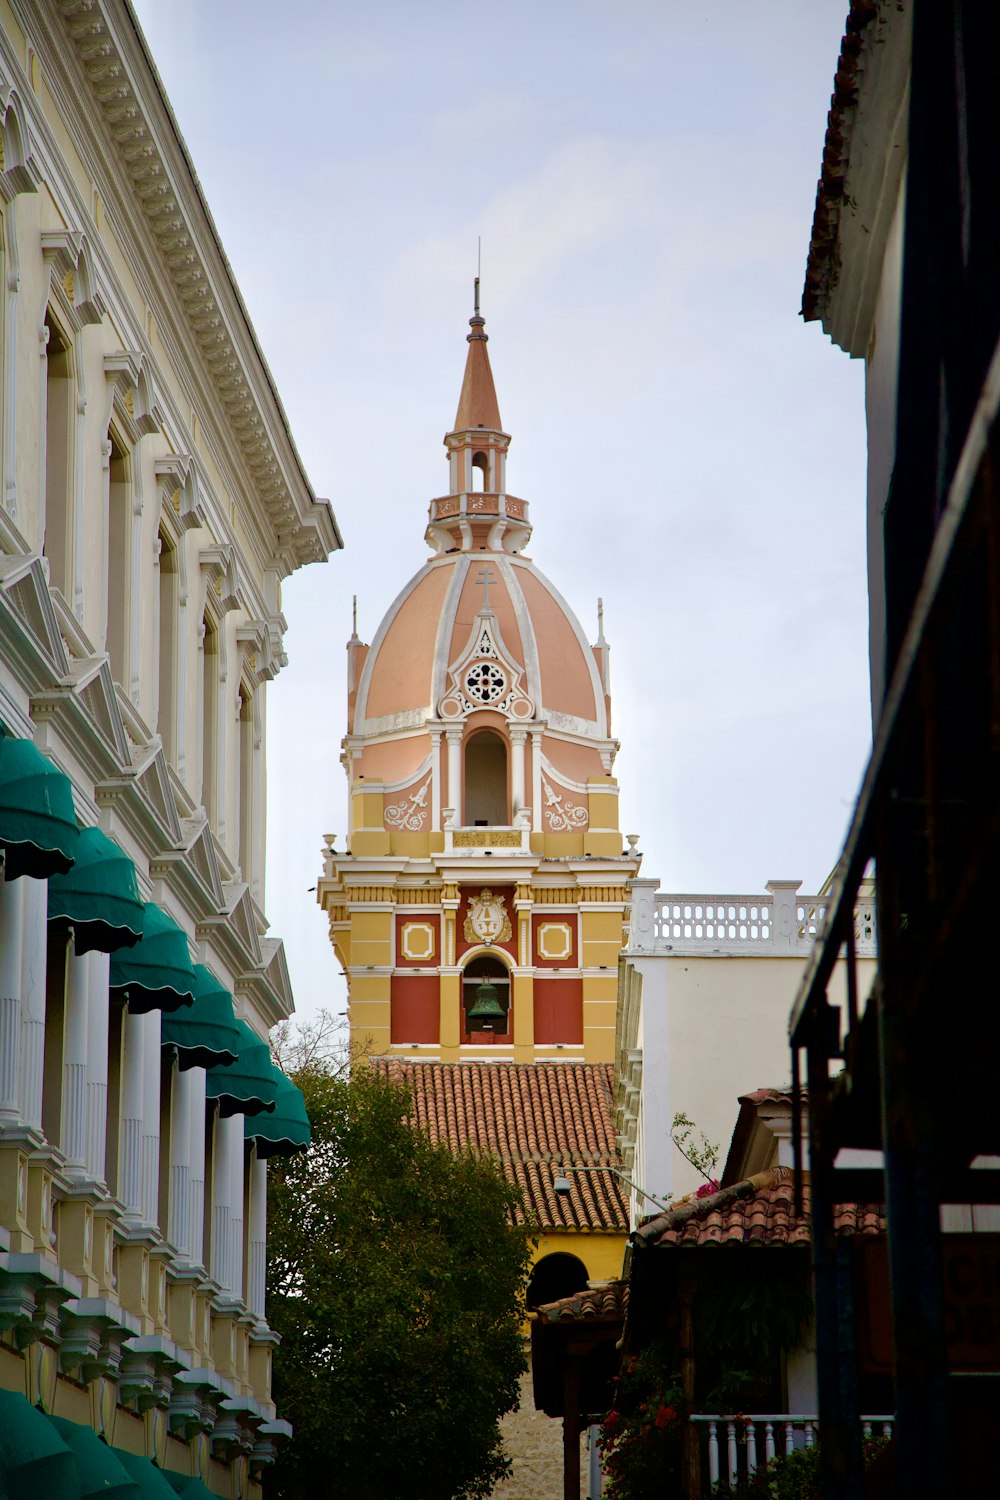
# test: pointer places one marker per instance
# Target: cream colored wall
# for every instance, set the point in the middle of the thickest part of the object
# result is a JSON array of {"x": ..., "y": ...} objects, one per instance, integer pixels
[{"x": 727, "y": 1035}]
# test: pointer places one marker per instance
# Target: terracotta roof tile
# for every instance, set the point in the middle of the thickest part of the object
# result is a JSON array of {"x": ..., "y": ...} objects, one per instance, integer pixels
[
  {"x": 758, "y": 1211},
  {"x": 605, "y": 1302},
  {"x": 536, "y": 1118}
]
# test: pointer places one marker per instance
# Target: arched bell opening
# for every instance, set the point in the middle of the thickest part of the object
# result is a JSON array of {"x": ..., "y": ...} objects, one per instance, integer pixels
[
  {"x": 480, "y": 471},
  {"x": 486, "y": 1001},
  {"x": 486, "y": 781},
  {"x": 555, "y": 1276}
]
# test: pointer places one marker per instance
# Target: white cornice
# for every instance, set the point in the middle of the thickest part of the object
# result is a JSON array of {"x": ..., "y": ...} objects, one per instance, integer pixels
[{"x": 106, "y": 64}]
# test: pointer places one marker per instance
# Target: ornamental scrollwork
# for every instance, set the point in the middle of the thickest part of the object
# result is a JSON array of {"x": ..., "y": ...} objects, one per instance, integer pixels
[
  {"x": 411, "y": 813},
  {"x": 562, "y": 816}
]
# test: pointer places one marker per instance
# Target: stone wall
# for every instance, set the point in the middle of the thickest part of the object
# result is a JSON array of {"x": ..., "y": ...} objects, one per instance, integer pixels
[{"x": 534, "y": 1442}]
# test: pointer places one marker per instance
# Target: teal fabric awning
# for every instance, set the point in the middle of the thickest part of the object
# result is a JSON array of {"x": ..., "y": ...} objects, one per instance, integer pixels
[
  {"x": 208, "y": 1034},
  {"x": 34, "y": 1460},
  {"x": 100, "y": 1473},
  {"x": 250, "y": 1084},
  {"x": 157, "y": 974},
  {"x": 38, "y": 829},
  {"x": 286, "y": 1130},
  {"x": 188, "y": 1486},
  {"x": 99, "y": 896},
  {"x": 152, "y": 1481}
]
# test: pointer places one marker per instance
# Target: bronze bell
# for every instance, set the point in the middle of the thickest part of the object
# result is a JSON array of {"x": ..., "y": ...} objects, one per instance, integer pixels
[{"x": 486, "y": 1013}]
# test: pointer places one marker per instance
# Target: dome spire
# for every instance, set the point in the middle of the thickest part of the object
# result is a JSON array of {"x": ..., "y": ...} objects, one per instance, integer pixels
[
  {"x": 477, "y": 514},
  {"x": 477, "y": 405}
]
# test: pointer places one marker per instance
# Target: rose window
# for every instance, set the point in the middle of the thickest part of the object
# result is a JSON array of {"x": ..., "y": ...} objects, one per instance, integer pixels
[{"x": 485, "y": 682}]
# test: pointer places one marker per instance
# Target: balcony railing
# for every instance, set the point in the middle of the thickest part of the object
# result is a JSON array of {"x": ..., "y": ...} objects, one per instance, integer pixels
[
  {"x": 734, "y": 1447},
  {"x": 782, "y": 921}
]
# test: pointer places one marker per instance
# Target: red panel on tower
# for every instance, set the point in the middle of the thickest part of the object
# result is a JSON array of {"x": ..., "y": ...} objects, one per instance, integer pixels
[
  {"x": 416, "y": 1008},
  {"x": 558, "y": 1011}
]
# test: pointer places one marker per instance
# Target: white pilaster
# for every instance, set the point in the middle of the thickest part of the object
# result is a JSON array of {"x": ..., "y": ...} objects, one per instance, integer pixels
[
  {"x": 195, "y": 1091},
  {"x": 130, "y": 1151},
  {"x": 517, "y": 739},
  {"x": 536, "y": 780},
  {"x": 75, "y": 1051},
  {"x": 34, "y": 919},
  {"x": 455, "y": 800},
  {"x": 98, "y": 965},
  {"x": 257, "y": 1257},
  {"x": 435, "y": 779},
  {"x": 151, "y": 1117},
  {"x": 178, "y": 1226},
  {"x": 11, "y": 944}
]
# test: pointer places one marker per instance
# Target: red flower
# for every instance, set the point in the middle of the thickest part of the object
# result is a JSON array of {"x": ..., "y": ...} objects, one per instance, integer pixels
[{"x": 664, "y": 1415}]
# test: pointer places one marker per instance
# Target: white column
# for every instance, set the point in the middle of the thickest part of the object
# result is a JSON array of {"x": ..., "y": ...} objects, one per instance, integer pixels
[
  {"x": 11, "y": 905},
  {"x": 130, "y": 1150},
  {"x": 455, "y": 798},
  {"x": 536, "y": 780},
  {"x": 151, "y": 1117},
  {"x": 178, "y": 1227},
  {"x": 35, "y": 918},
  {"x": 228, "y": 1184},
  {"x": 517, "y": 739},
  {"x": 257, "y": 1258},
  {"x": 237, "y": 1228},
  {"x": 435, "y": 779},
  {"x": 75, "y": 1052},
  {"x": 197, "y": 1125},
  {"x": 98, "y": 1005}
]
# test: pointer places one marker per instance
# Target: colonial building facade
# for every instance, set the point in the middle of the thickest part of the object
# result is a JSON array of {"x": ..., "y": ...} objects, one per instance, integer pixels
[{"x": 152, "y": 503}]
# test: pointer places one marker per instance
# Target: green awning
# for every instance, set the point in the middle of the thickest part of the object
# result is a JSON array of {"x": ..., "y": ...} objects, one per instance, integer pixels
[
  {"x": 250, "y": 1084},
  {"x": 38, "y": 829},
  {"x": 207, "y": 1035},
  {"x": 100, "y": 1473},
  {"x": 152, "y": 1481},
  {"x": 156, "y": 974},
  {"x": 188, "y": 1486},
  {"x": 286, "y": 1130},
  {"x": 99, "y": 895},
  {"x": 34, "y": 1460}
]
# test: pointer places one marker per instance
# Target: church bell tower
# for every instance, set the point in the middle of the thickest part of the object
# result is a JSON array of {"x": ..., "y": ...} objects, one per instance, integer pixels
[{"x": 478, "y": 908}]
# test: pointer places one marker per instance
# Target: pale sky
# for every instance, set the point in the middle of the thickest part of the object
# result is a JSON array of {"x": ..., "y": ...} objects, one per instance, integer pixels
[{"x": 642, "y": 174}]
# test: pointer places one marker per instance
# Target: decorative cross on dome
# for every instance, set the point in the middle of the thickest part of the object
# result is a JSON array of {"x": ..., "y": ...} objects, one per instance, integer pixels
[{"x": 484, "y": 578}]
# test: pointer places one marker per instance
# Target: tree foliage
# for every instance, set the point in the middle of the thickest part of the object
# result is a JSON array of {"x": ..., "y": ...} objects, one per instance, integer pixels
[{"x": 396, "y": 1282}]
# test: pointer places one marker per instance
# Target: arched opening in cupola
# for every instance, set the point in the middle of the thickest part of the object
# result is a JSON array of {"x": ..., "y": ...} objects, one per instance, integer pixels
[
  {"x": 480, "y": 470},
  {"x": 554, "y": 1277},
  {"x": 486, "y": 803}
]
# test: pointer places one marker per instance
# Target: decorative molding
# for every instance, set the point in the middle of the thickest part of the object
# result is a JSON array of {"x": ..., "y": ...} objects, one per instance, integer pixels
[
  {"x": 410, "y": 814},
  {"x": 562, "y": 815},
  {"x": 485, "y": 676},
  {"x": 162, "y": 184},
  {"x": 19, "y": 172},
  {"x": 181, "y": 504},
  {"x": 417, "y": 941},
  {"x": 487, "y": 920},
  {"x": 72, "y": 284},
  {"x": 555, "y": 940}
]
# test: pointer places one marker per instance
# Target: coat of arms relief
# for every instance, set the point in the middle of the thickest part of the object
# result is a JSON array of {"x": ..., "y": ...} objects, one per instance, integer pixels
[{"x": 487, "y": 920}]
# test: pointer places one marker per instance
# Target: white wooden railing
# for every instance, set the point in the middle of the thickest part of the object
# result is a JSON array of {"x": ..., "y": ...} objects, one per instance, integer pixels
[{"x": 764, "y": 1437}]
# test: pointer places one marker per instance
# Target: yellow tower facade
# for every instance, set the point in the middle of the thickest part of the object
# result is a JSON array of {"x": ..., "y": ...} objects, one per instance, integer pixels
[{"x": 479, "y": 906}]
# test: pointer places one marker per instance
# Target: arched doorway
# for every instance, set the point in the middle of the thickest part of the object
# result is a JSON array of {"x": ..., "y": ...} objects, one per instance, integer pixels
[
  {"x": 486, "y": 780},
  {"x": 555, "y": 1276}
]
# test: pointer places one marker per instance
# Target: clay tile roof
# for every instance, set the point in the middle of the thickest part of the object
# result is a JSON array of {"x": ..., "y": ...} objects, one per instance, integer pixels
[
  {"x": 823, "y": 265},
  {"x": 536, "y": 1118},
  {"x": 770, "y": 1096},
  {"x": 605, "y": 1302},
  {"x": 758, "y": 1211}
]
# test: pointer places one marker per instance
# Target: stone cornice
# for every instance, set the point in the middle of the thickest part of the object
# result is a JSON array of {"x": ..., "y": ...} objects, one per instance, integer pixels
[{"x": 143, "y": 135}]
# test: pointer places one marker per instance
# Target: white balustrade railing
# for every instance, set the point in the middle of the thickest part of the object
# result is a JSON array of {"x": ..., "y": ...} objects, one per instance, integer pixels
[
  {"x": 763, "y": 1437},
  {"x": 782, "y": 921}
]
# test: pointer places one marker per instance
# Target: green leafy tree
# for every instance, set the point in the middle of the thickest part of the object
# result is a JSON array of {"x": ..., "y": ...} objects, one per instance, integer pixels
[{"x": 396, "y": 1282}]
